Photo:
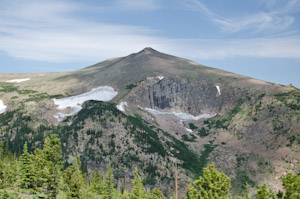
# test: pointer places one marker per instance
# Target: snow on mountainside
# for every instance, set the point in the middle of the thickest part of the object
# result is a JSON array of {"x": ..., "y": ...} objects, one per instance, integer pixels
[
  {"x": 2, "y": 107},
  {"x": 18, "y": 80},
  {"x": 102, "y": 93}
]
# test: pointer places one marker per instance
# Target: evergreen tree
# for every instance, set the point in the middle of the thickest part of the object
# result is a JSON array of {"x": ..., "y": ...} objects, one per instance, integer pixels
[
  {"x": 156, "y": 194},
  {"x": 246, "y": 192},
  {"x": 138, "y": 191},
  {"x": 1, "y": 165},
  {"x": 97, "y": 184},
  {"x": 76, "y": 181},
  {"x": 109, "y": 190},
  {"x": 27, "y": 173},
  {"x": 125, "y": 195},
  {"x": 291, "y": 184},
  {"x": 264, "y": 193},
  {"x": 212, "y": 185},
  {"x": 9, "y": 171},
  {"x": 41, "y": 171},
  {"x": 53, "y": 160}
]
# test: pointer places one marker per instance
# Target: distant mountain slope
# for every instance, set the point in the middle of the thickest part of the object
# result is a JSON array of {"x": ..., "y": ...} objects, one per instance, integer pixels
[{"x": 167, "y": 111}]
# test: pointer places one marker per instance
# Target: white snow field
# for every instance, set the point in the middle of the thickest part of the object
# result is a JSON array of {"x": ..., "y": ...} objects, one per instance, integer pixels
[
  {"x": 18, "y": 80},
  {"x": 180, "y": 115},
  {"x": 219, "y": 90},
  {"x": 102, "y": 93},
  {"x": 121, "y": 106},
  {"x": 189, "y": 130},
  {"x": 2, "y": 107},
  {"x": 160, "y": 77}
]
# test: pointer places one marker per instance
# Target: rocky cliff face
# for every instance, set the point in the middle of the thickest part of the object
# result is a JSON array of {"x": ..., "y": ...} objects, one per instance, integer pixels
[{"x": 181, "y": 95}]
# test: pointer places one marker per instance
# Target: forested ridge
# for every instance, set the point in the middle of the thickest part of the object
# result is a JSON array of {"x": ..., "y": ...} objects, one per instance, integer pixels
[{"x": 41, "y": 174}]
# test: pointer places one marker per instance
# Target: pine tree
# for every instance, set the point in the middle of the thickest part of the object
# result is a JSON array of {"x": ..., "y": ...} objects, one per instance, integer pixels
[
  {"x": 1, "y": 165},
  {"x": 27, "y": 173},
  {"x": 264, "y": 193},
  {"x": 97, "y": 184},
  {"x": 213, "y": 184},
  {"x": 156, "y": 194},
  {"x": 76, "y": 181},
  {"x": 291, "y": 184},
  {"x": 246, "y": 192},
  {"x": 125, "y": 195},
  {"x": 41, "y": 171},
  {"x": 53, "y": 159},
  {"x": 109, "y": 190},
  {"x": 138, "y": 191},
  {"x": 246, "y": 195},
  {"x": 9, "y": 170}
]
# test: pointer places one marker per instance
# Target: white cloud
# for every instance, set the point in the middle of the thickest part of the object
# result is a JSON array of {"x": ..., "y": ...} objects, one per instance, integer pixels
[
  {"x": 48, "y": 31},
  {"x": 257, "y": 22},
  {"x": 51, "y": 31},
  {"x": 255, "y": 47}
]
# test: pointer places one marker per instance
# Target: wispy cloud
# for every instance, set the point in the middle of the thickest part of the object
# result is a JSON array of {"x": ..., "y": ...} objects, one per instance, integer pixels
[
  {"x": 282, "y": 6},
  {"x": 137, "y": 4},
  {"x": 51, "y": 31},
  {"x": 272, "y": 21},
  {"x": 257, "y": 48}
]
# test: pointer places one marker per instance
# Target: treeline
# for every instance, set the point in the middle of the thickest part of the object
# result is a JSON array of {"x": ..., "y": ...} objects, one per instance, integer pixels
[{"x": 40, "y": 174}]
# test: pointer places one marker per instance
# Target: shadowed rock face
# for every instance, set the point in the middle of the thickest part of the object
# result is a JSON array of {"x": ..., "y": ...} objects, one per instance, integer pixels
[{"x": 195, "y": 98}]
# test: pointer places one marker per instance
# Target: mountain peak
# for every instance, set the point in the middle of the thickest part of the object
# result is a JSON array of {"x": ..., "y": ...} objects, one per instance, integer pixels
[{"x": 147, "y": 50}]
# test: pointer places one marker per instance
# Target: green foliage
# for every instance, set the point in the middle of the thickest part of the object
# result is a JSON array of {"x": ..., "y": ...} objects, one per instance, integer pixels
[
  {"x": 204, "y": 156},
  {"x": 109, "y": 187},
  {"x": 192, "y": 126},
  {"x": 149, "y": 181},
  {"x": 97, "y": 184},
  {"x": 202, "y": 132},
  {"x": 213, "y": 184},
  {"x": 290, "y": 99},
  {"x": 156, "y": 194},
  {"x": 130, "y": 86},
  {"x": 187, "y": 138},
  {"x": 148, "y": 137},
  {"x": 7, "y": 87},
  {"x": 138, "y": 191},
  {"x": 224, "y": 121},
  {"x": 77, "y": 181},
  {"x": 40, "y": 175},
  {"x": 5, "y": 194},
  {"x": 291, "y": 184},
  {"x": 27, "y": 171},
  {"x": 264, "y": 193}
]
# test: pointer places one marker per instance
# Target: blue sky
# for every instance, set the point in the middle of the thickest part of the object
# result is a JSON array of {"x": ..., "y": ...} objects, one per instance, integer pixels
[{"x": 257, "y": 38}]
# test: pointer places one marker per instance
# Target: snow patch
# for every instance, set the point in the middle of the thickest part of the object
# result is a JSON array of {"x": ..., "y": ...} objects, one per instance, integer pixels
[
  {"x": 2, "y": 107},
  {"x": 18, "y": 80},
  {"x": 121, "y": 106},
  {"x": 183, "y": 116},
  {"x": 160, "y": 77},
  {"x": 102, "y": 93},
  {"x": 189, "y": 130},
  {"x": 219, "y": 90}
]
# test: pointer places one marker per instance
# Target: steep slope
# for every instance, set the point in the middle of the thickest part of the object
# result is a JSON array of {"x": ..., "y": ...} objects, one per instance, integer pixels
[{"x": 167, "y": 111}]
